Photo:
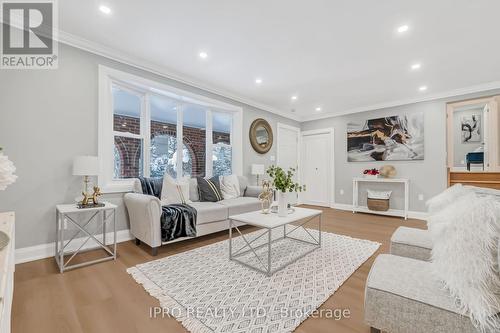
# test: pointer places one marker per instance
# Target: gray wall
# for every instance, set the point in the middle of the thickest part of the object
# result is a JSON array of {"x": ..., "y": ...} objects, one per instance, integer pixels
[
  {"x": 462, "y": 148},
  {"x": 50, "y": 116},
  {"x": 427, "y": 177}
]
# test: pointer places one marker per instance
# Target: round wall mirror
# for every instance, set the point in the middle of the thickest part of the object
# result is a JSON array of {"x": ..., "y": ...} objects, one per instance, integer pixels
[{"x": 261, "y": 136}]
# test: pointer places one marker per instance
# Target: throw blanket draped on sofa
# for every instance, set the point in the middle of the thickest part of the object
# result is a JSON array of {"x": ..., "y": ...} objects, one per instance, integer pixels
[{"x": 178, "y": 220}]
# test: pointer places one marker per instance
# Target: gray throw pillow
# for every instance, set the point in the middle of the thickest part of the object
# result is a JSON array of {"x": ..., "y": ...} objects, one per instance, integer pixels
[{"x": 209, "y": 189}]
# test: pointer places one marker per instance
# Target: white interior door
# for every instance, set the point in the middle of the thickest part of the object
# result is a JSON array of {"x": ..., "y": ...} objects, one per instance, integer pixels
[
  {"x": 288, "y": 152},
  {"x": 316, "y": 169}
]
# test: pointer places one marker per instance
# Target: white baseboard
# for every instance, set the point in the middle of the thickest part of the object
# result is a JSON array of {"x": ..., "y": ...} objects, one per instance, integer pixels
[
  {"x": 42, "y": 251},
  {"x": 48, "y": 250},
  {"x": 411, "y": 214}
]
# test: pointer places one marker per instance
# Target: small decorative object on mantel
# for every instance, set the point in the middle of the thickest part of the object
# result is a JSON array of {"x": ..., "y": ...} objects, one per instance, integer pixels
[
  {"x": 261, "y": 136},
  {"x": 371, "y": 173},
  {"x": 7, "y": 170},
  {"x": 266, "y": 197},
  {"x": 388, "y": 171},
  {"x": 87, "y": 166},
  {"x": 283, "y": 182},
  {"x": 378, "y": 200}
]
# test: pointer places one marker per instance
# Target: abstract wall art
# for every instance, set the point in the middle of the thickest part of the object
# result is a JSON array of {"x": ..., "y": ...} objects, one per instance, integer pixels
[
  {"x": 471, "y": 128},
  {"x": 395, "y": 138}
]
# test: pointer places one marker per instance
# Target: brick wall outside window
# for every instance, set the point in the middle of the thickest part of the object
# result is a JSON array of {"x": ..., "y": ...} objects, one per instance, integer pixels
[{"x": 130, "y": 150}]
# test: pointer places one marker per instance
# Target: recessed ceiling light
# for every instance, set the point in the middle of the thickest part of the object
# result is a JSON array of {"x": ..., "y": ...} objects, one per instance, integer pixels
[
  {"x": 318, "y": 109},
  {"x": 416, "y": 66},
  {"x": 294, "y": 98},
  {"x": 423, "y": 88},
  {"x": 105, "y": 9},
  {"x": 203, "y": 55},
  {"x": 258, "y": 80},
  {"x": 403, "y": 28}
]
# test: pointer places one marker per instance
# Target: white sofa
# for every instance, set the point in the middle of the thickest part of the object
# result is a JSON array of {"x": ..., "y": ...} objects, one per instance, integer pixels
[{"x": 145, "y": 212}]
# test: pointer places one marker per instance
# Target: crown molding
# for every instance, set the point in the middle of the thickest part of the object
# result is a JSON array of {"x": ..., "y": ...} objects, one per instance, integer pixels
[
  {"x": 446, "y": 94},
  {"x": 113, "y": 54}
]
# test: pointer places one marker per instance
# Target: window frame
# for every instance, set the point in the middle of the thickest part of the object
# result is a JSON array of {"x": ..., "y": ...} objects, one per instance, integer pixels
[{"x": 109, "y": 77}]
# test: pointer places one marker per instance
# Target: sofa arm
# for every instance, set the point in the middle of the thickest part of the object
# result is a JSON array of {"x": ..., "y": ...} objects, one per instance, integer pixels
[
  {"x": 145, "y": 214},
  {"x": 253, "y": 191}
]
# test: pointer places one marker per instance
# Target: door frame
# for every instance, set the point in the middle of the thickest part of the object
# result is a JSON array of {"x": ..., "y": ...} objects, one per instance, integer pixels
[
  {"x": 492, "y": 120},
  {"x": 280, "y": 127},
  {"x": 331, "y": 132}
]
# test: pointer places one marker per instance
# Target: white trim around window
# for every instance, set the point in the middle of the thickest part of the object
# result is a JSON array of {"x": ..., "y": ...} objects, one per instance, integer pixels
[{"x": 108, "y": 76}]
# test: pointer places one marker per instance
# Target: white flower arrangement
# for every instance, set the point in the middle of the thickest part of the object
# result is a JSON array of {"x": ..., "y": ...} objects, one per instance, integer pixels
[{"x": 7, "y": 170}]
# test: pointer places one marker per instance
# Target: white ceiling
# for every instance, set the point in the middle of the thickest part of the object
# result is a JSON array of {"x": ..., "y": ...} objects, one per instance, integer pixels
[{"x": 344, "y": 56}]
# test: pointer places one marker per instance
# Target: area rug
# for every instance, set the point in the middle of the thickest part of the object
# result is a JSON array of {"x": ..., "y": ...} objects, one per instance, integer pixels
[{"x": 208, "y": 293}]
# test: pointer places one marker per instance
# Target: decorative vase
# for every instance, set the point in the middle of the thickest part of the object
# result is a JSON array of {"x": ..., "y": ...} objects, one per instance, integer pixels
[
  {"x": 282, "y": 204},
  {"x": 371, "y": 176}
]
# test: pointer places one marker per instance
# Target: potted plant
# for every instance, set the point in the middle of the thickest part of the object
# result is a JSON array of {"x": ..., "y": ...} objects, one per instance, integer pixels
[
  {"x": 371, "y": 173},
  {"x": 282, "y": 182}
]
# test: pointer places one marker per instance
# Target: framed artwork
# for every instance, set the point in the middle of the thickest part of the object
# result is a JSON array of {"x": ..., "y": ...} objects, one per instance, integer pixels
[
  {"x": 396, "y": 138},
  {"x": 471, "y": 128}
]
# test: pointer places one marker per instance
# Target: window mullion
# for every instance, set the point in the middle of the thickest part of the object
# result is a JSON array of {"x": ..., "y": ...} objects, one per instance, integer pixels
[
  {"x": 208, "y": 144},
  {"x": 180, "y": 147},
  {"x": 146, "y": 135}
]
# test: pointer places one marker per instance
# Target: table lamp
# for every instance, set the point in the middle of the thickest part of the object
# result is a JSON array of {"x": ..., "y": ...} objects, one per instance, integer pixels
[
  {"x": 86, "y": 166},
  {"x": 257, "y": 170}
]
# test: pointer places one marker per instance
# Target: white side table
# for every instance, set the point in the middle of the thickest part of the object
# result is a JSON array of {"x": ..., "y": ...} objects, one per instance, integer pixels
[
  {"x": 101, "y": 216},
  {"x": 391, "y": 212}
]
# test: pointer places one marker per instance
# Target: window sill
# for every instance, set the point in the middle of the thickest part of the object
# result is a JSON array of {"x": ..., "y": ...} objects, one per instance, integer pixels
[{"x": 118, "y": 187}]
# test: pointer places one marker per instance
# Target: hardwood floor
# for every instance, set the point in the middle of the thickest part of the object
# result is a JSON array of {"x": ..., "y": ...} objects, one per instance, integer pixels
[{"x": 104, "y": 298}]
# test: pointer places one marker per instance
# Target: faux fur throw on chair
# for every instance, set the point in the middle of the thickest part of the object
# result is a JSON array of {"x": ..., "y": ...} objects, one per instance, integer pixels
[
  {"x": 447, "y": 197},
  {"x": 465, "y": 236}
]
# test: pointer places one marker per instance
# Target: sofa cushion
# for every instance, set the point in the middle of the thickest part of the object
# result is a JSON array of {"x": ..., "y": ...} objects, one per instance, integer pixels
[
  {"x": 253, "y": 191},
  {"x": 402, "y": 294},
  {"x": 136, "y": 187},
  {"x": 230, "y": 186},
  {"x": 243, "y": 184},
  {"x": 209, "y": 212},
  {"x": 209, "y": 189},
  {"x": 241, "y": 205},
  {"x": 174, "y": 191},
  {"x": 411, "y": 243},
  {"x": 193, "y": 190},
  {"x": 410, "y": 278}
]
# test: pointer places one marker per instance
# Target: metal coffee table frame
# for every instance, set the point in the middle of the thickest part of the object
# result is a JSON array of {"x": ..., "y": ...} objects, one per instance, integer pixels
[{"x": 267, "y": 269}]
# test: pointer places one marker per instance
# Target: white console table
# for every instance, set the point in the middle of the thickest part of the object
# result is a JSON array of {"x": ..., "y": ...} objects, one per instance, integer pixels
[{"x": 391, "y": 212}]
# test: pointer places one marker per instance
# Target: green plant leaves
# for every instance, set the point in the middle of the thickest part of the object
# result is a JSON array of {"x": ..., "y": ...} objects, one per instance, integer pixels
[{"x": 283, "y": 180}]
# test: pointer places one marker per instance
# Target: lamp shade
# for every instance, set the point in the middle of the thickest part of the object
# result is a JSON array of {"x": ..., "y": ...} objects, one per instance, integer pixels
[
  {"x": 257, "y": 169},
  {"x": 86, "y": 166}
]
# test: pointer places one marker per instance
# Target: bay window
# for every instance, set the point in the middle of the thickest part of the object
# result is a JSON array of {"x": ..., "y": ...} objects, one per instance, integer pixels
[
  {"x": 222, "y": 152},
  {"x": 156, "y": 129}
]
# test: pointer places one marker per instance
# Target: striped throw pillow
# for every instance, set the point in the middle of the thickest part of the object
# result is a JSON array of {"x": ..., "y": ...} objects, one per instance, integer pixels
[{"x": 209, "y": 189}]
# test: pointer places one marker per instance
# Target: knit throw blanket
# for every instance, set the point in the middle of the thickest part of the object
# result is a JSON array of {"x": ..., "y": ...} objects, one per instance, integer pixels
[{"x": 177, "y": 220}]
